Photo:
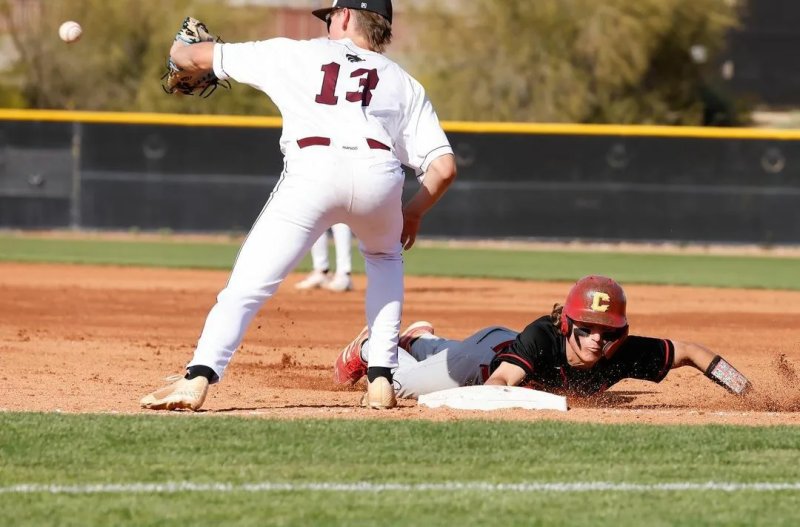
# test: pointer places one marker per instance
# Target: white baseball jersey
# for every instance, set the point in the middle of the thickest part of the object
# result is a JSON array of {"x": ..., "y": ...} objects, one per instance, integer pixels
[{"x": 334, "y": 89}]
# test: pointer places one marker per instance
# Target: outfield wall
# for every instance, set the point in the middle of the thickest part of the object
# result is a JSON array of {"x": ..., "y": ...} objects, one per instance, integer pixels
[{"x": 204, "y": 173}]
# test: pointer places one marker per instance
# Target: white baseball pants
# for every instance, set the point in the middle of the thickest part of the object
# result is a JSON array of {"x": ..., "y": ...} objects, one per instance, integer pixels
[{"x": 320, "y": 186}]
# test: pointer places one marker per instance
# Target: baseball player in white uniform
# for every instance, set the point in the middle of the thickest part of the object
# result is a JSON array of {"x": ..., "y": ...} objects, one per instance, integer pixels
[
  {"x": 320, "y": 275},
  {"x": 351, "y": 117}
]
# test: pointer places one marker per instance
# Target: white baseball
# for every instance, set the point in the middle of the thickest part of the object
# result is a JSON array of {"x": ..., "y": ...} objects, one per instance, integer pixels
[{"x": 70, "y": 31}]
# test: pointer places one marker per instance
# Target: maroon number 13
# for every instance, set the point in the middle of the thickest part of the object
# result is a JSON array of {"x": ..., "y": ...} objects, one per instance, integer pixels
[{"x": 368, "y": 81}]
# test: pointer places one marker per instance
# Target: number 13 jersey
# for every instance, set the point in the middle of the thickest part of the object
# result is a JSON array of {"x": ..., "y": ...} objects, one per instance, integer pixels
[{"x": 337, "y": 90}]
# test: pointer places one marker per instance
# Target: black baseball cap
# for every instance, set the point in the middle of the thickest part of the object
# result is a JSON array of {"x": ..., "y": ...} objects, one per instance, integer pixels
[{"x": 382, "y": 7}]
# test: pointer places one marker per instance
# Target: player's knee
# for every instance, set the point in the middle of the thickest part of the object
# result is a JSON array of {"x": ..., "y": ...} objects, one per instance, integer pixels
[{"x": 245, "y": 297}]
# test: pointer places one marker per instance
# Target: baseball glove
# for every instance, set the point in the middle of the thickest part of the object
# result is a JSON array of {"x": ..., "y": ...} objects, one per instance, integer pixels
[{"x": 202, "y": 83}]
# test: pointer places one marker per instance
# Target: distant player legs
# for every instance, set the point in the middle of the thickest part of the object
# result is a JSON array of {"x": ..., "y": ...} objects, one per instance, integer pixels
[
  {"x": 321, "y": 274},
  {"x": 319, "y": 254},
  {"x": 343, "y": 241}
]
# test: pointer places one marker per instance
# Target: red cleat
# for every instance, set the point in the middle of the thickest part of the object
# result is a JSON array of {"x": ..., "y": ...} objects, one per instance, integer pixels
[
  {"x": 413, "y": 332},
  {"x": 349, "y": 367}
]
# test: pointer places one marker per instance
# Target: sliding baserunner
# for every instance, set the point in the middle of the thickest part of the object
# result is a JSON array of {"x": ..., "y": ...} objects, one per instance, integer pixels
[{"x": 582, "y": 348}]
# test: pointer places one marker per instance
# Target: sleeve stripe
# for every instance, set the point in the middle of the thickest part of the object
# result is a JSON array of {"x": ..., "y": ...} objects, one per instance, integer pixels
[
  {"x": 425, "y": 162},
  {"x": 216, "y": 63},
  {"x": 517, "y": 357},
  {"x": 502, "y": 346},
  {"x": 668, "y": 359},
  {"x": 222, "y": 60}
]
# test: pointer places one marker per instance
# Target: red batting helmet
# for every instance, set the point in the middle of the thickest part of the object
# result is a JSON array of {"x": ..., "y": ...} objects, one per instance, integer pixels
[{"x": 596, "y": 300}]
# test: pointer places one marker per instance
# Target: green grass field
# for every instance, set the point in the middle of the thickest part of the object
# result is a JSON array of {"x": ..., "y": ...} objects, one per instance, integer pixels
[
  {"x": 87, "y": 454},
  {"x": 717, "y": 271},
  {"x": 199, "y": 469}
]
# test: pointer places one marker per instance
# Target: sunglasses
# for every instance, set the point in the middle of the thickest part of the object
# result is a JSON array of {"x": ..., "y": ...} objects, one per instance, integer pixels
[{"x": 585, "y": 331}]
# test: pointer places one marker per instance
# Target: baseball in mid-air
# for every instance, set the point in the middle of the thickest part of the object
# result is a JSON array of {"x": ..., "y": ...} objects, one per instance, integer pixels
[{"x": 70, "y": 31}]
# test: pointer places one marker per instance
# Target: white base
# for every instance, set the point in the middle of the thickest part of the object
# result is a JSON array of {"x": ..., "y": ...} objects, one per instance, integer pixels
[{"x": 493, "y": 398}]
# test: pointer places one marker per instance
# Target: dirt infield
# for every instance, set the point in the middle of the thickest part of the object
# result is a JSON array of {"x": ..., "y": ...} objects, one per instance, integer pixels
[{"x": 96, "y": 339}]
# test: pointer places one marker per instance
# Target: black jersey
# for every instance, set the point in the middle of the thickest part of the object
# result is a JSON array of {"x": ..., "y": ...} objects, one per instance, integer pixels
[{"x": 540, "y": 350}]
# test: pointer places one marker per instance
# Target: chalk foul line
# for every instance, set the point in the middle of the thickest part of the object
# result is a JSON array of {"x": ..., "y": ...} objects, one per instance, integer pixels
[{"x": 524, "y": 487}]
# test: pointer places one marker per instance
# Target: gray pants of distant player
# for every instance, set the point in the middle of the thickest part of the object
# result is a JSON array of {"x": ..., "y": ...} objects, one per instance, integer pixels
[{"x": 434, "y": 363}]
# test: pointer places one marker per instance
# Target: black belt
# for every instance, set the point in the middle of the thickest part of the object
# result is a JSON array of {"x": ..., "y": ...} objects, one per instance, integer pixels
[{"x": 326, "y": 141}]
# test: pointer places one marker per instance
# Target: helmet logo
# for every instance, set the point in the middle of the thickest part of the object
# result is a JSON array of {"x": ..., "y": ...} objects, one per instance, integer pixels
[{"x": 600, "y": 301}]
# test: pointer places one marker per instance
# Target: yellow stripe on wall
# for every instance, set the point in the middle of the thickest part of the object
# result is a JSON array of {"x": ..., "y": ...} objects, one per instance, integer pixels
[
  {"x": 244, "y": 121},
  {"x": 171, "y": 119},
  {"x": 621, "y": 130}
]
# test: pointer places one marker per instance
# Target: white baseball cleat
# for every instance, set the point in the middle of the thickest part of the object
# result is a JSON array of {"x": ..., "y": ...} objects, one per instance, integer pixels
[
  {"x": 181, "y": 394},
  {"x": 314, "y": 280},
  {"x": 413, "y": 332},
  {"x": 380, "y": 395},
  {"x": 339, "y": 283}
]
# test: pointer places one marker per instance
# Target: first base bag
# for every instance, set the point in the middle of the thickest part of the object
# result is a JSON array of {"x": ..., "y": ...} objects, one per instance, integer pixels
[{"x": 493, "y": 398}]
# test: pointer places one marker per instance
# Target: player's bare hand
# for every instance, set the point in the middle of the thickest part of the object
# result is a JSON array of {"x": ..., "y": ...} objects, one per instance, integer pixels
[
  {"x": 410, "y": 229},
  {"x": 176, "y": 45}
]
